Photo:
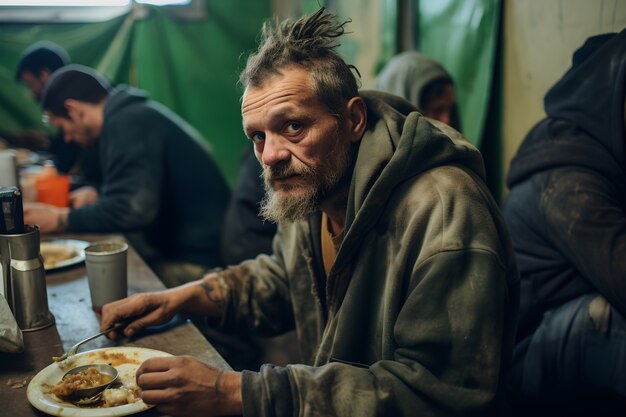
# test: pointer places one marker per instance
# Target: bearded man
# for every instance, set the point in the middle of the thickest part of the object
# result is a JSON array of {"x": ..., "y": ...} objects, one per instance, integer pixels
[{"x": 391, "y": 259}]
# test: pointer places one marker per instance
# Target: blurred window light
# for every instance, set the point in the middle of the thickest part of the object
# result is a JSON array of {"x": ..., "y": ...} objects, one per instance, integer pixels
[
  {"x": 165, "y": 2},
  {"x": 66, "y": 11},
  {"x": 90, "y": 3}
]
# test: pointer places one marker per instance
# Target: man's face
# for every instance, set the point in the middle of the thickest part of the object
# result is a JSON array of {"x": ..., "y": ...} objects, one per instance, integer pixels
[
  {"x": 304, "y": 150},
  {"x": 76, "y": 128},
  {"x": 440, "y": 107},
  {"x": 34, "y": 83}
]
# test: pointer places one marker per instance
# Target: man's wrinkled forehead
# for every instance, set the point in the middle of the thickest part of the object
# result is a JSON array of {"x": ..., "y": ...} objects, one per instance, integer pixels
[{"x": 286, "y": 84}]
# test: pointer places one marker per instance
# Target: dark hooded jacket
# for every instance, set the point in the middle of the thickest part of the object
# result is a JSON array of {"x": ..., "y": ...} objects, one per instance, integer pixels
[
  {"x": 567, "y": 208},
  {"x": 245, "y": 234},
  {"x": 417, "y": 314},
  {"x": 161, "y": 185}
]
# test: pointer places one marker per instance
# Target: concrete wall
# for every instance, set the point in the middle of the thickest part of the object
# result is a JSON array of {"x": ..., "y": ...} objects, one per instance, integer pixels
[{"x": 540, "y": 37}]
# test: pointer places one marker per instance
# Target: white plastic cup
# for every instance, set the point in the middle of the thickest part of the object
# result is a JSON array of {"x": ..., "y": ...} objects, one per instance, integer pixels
[{"x": 106, "y": 272}]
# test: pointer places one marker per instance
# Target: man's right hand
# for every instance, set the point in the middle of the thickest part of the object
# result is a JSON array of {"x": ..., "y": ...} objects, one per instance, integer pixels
[
  {"x": 204, "y": 297},
  {"x": 137, "y": 312}
]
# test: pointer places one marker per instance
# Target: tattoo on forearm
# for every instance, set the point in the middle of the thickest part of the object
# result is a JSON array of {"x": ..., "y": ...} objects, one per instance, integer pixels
[{"x": 211, "y": 293}]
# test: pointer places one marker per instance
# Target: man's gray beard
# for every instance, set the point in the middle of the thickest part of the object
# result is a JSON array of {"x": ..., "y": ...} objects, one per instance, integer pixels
[{"x": 283, "y": 206}]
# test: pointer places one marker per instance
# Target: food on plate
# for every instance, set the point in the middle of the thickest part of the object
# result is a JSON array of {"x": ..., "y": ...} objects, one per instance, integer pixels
[
  {"x": 54, "y": 254},
  {"x": 117, "y": 358},
  {"x": 121, "y": 397},
  {"x": 123, "y": 391},
  {"x": 89, "y": 378},
  {"x": 114, "y": 397}
]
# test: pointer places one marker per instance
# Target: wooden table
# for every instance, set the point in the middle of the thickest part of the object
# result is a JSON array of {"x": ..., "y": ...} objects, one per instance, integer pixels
[{"x": 69, "y": 302}]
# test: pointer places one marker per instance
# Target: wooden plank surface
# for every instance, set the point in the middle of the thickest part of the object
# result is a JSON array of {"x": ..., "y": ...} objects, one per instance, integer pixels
[{"x": 70, "y": 303}]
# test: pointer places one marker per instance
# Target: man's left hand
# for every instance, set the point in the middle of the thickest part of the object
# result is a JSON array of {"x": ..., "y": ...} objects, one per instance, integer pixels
[
  {"x": 48, "y": 218},
  {"x": 184, "y": 386}
]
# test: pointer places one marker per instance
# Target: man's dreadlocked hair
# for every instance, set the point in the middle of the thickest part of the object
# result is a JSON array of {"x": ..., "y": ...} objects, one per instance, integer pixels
[{"x": 308, "y": 42}]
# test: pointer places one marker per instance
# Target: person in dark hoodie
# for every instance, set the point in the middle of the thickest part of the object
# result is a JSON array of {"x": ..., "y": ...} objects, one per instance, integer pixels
[
  {"x": 423, "y": 82},
  {"x": 566, "y": 213},
  {"x": 245, "y": 234},
  {"x": 161, "y": 186},
  {"x": 391, "y": 258}
]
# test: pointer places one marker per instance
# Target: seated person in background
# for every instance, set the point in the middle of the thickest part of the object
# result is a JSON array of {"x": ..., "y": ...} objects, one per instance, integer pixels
[
  {"x": 245, "y": 233},
  {"x": 566, "y": 213},
  {"x": 161, "y": 185},
  {"x": 391, "y": 258},
  {"x": 423, "y": 82},
  {"x": 36, "y": 65}
]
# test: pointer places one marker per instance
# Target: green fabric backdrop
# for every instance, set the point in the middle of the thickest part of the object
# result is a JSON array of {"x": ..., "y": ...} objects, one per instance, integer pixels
[
  {"x": 190, "y": 66},
  {"x": 462, "y": 36}
]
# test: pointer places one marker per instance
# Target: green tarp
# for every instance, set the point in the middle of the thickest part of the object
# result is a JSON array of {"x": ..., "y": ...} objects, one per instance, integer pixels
[
  {"x": 190, "y": 66},
  {"x": 193, "y": 66}
]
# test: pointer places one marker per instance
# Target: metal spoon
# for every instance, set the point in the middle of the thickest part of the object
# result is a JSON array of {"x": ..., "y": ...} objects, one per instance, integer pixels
[
  {"x": 72, "y": 350},
  {"x": 91, "y": 395}
]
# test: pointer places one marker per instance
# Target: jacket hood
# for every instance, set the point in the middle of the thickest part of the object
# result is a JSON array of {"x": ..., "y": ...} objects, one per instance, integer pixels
[
  {"x": 399, "y": 144},
  {"x": 120, "y": 97},
  {"x": 585, "y": 109},
  {"x": 408, "y": 73}
]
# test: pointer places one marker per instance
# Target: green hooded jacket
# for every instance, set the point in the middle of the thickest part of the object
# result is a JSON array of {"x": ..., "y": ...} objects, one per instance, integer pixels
[{"x": 417, "y": 315}]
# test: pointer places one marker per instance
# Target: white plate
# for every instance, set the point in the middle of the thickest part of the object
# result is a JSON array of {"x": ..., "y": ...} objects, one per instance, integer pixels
[
  {"x": 125, "y": 359},
  {"x": 75, "y": 249}
]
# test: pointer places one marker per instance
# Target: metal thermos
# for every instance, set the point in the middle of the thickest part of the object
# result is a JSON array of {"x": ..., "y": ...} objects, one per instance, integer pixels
[
  {"x": 12, "y": 220},
  {"x": 22, "y": 274}
]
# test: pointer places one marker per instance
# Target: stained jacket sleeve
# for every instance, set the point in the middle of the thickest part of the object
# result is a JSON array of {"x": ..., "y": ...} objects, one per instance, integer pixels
[
  {"x": 130, "y": 194},
  {"x": 586, "y": 220},
  {"x": 445, "y": 363},
  {"x": 258, "y": 298}
]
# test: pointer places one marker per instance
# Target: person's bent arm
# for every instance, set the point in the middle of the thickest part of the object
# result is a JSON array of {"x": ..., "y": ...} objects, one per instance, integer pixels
[
  {"x": 586, "y": 220},
  {"x": 203, "y": 297},
  {"x": 48, "y": 217}
]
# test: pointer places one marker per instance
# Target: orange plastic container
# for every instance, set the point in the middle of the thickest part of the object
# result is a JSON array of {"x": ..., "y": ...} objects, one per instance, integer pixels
[{"x": 53, "y": 190}]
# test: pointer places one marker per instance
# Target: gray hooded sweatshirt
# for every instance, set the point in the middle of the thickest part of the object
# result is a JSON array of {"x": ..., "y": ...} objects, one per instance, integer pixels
[{"x": 407, "y": 75}]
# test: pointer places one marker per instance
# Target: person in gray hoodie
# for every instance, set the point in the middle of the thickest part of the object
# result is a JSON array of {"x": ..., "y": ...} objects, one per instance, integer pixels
[
  {"x": 161, "y": 186},
  {"x": 425, "y": 83},
  {"x": 391, "y": 261}
]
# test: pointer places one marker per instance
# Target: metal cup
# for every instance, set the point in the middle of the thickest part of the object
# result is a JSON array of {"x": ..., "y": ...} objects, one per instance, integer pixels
[{"x": 106, "y": 272}]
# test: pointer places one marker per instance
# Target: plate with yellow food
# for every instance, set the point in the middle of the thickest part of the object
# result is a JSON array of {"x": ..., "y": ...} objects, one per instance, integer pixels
[
  {"x": 61, "y": 253},
  {"x": 50, "y": 393}
]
